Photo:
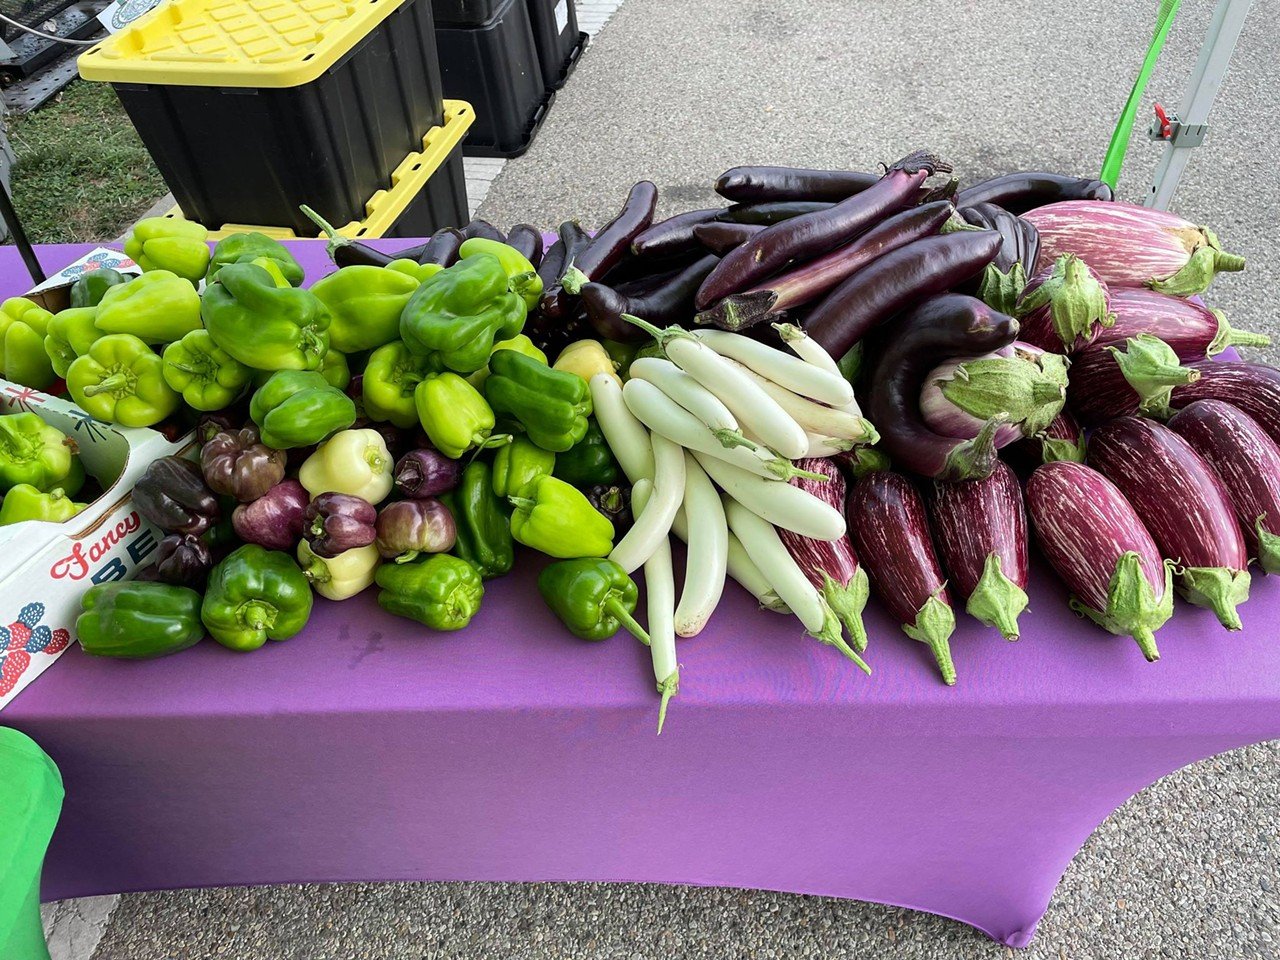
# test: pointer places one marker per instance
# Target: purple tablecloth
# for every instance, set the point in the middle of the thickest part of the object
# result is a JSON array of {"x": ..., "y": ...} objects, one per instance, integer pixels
[{"x": 368, "y": 748}]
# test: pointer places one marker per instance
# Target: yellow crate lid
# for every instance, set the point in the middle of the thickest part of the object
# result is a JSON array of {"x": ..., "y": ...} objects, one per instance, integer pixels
[
  {"x": 234, "y": 43},
  {"x": 407, "y": 181}
]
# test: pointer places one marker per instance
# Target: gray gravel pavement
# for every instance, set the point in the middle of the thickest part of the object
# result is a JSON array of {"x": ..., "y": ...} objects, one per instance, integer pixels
[{"x": 676, "y": 91}]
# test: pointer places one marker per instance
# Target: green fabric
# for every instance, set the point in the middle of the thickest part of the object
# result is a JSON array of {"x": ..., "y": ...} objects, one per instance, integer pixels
[
  {"x": 457, "y": 315},
  {"x": 262, "y": 324},
  {"x": 25, "y": 502},
  {"x": 89, "y": 290},
  {"x": 23, "y": 326},
  {"x": 255, "y": 595},
  {"x": 589, "y": 461},
  {"x": 441, "y": 592},
  {"x": 297, "y": 408},
  {"x": 121, "y": 380},
  {"x": 519, "y": 463},
  {"x": 247, "y": 247},
  {"x": 207, "y": 376},
  {"x": 34, "y": 452},
  {"x": 31, "y": 796},
  {"x": 558, "y": 520},
  {"x": 484, "y": 533},
  {"x": 592, "y": 597},
  {"x": 70, "y": 334},
  {"x": 390, "y": 377},
  {"x": 522, "y": 276},
  {"x": 138, "y": 619},
  {"x": 551, "y": 405},
  {"x": 157, "y": 307},
  {"x": 169, "y": 243},
  {"x": 1114, "y": 159},
  {"x": 364, "y": 303},
  {"x": 454, "y": 415}
]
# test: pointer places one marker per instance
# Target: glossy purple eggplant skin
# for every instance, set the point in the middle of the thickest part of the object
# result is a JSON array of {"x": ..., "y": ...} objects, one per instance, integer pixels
[
  {"x": 767, "y": 214},
  {"x": 671, "y": 236},
  {"x": 483, "y": 229},
  {"x": 976, "y": 518},
  {"x": 803, "y": 238},
  {"x": 1247, "y": 461},
  {"x": 758, "y": 184},
  {"x": 892, "y": 283},
  {"x": 527, "y": 239},
  {"x": 944, "y": 327},
  {"x": 1253, "y": 388},
  {"x": 720, "y": 238},
  {"x": 1020, "y": 192},
  {"x": 275, "y": 519},
  {"x": 1019, "y": 239},
  {"x": 443, "y": 247},
  {"x": 814, "y": 278},
  {"x": 669, "y": 303}
]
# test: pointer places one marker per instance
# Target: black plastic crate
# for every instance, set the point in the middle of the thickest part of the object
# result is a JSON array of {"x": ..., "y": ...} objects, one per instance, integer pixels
[
  {"x": 249, "y": 140},
  {"x": 556, "y": 35}
]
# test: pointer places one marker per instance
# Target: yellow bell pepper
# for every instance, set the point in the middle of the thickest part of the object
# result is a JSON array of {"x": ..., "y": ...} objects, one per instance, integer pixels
[
  {"x": 351, "y": 461},
  {"x": 586, "y": 358},
  {"x": 343, "y": 576}
]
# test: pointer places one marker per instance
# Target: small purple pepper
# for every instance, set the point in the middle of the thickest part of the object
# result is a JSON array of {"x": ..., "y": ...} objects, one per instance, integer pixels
[
  {"x": 275, "y": 519},
  {"x": 426, "y": 473},
  {"x": 336, "y": 522},
  {"x": 409, "y": 527},
  {"x": 181, "y": 559}
]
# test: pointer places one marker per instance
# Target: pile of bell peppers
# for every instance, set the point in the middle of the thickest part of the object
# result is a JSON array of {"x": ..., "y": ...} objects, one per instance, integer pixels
[{"x": 40, "y": 471}]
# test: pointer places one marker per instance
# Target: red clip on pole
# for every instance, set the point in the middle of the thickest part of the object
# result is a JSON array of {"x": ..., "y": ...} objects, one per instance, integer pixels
[{"x": 1162, "y": 118}]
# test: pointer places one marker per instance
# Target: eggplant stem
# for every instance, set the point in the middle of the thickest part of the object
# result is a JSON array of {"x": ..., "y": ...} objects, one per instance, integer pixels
[
  {"x": 668, "y": 688},
  {"x": 574, "y": 280},
  {"x": 734, "y": 438}
]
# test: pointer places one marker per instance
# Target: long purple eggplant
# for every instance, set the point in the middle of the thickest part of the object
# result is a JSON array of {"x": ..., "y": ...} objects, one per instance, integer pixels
[
  {"x": 980, "y": 527},
  {"x": 1020, "y": 192},
  {"x": 1114, "y": 382},
  {"x": 1253, "y": 388},
  {"x": 527, "y": 238},
  {"x": 483, "y": 229},
  {"x": 1065, "y": 306},
  {"x": 1192, "y": 329},
  {"x": 1132, "y": 246},
  {"x": 1019, "y": 239},
  {"x": 947, "y": 326},
  {"x": 610, "y": 243},
  {"x": 767, "y": 214},
  {"x": 831, "y": 565},
  {"x": 811, "y": 280},
  {"x": 1247, "y": 462},
  {"x": 1095, "y": 541},
  {"x": 895, "y": 281},
  {"x": 812, "y": 235},
  {"x": 890, "y": 532},
  {"x": 1184, "y": 507},
  {"x": 720, "y": 238},
  {"x": 758, "y": 184},
  {"x": 670, "y": 303},
  {"x": 672, "y": 235},
  {"x": 443, "y": 247}
]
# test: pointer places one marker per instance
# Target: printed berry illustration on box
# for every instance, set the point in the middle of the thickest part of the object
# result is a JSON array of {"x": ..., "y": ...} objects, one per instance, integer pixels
[{"x": 23, "y": 640}]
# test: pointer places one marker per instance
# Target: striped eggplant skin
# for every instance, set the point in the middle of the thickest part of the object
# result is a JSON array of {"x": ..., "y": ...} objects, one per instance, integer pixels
[
  {"x": 1183, "y": 505},
  {"x": 1133, "y": 246},
  {"x": 1064, "y": 307},
  {"x": 1247, "y": 461},
  {"x": 831, "y": 565},
  {"x": 1093, "y": 538},
  {"x": 1193, "y": 330},
  {"x": 1251, "y": 387},
  {"x": 1063, "y": 439},
  {"x": 980, "y": 528},
  {"x": 890, "y": 533},
  {"x": 1138, "y": 376}
]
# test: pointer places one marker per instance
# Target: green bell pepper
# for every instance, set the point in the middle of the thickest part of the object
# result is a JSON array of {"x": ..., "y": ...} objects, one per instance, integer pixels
[
  {"x": 558, "y": 520},
  {"x": 391, "y": 376},
  {"x": 522, "y": 276},
  {"x": 296, "y": 408},
  {"x": 34, "y": 452},
  {"x": 207, "y": 376},
  {"x": 460, "y": 313},
  {"x": 484, "y": 534},
  {"x": 518, "y": 464},
  {"x": 121, "y": 380},
  {"x": 520, "y": 343},
  {"x": 365, "y": 303},
  {"x": 255, "y": 595},
  {"x": 454, "y": 415},
  {"x": 23, "y": 325},
  {"x": 551, "y": 405},
  {"x": 25, "y": 502},
  {"x": 421, "y": 272},
  {"x": 335, "y": 369},
  {"x": 591, "y": 597},
  {"x": 169, "y": 243},
  {"x": 70, "y": 334},
  {"x": 265, "y": 326},
  {"x": 248, "y": 247},
  {"x": 589, "y": 461},
  {"x": 138, "y": 619},
  {"x": 157, "y": 307},
  {"x": 441, "y": 592},
  {"x": 92, "y": 286}
]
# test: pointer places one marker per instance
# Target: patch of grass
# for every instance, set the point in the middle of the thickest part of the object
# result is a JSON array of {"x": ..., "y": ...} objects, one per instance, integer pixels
[{"x": 82, "y": 172}]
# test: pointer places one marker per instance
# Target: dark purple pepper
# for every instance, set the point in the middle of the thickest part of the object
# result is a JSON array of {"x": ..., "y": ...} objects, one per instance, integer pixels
[
  {"x": 613, "y": 502},
  {"x": 426, "y": 473},
  {"x": 181, "y": 559},
  {"x": 336, "y": 522},
  {"x": 172, "y": 495},
  {"x": 274, "y": 520},
  {"x": 212, "y": 424},
  {"x": 237, "y": 464},
  {"x": 407, "y": 528}
]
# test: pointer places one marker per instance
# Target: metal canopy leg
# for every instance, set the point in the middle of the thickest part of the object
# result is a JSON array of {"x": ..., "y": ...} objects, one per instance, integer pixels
[{"x": 1187, "y": 128}]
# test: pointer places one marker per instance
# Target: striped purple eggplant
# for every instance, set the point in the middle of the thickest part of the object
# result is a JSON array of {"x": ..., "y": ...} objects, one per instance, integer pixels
[
  {"x": 1247, "y": 462},
  {"x": 1192, "y": 329},
  {"x": 1132, "y": 246},
  {"x": 831, "y": 565},
  {"x": 1099, "y": 547},
  {"x": 1065, "y": 306},
  {"x": 1021, "y": 381},
  {"x": 1251, "y": 387},
  {"x": 981, "y": 531},
  {"x": 890, "y": 532},
  {"x": 1113, "y": 382},
  {"x": 1184, "y": 507},
  {"x": 1063, "y": 439}
]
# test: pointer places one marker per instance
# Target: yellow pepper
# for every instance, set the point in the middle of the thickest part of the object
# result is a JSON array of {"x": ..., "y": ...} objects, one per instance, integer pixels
[
  {"x": 586, "y": 358},
  {"x": 343, "y": 576}
]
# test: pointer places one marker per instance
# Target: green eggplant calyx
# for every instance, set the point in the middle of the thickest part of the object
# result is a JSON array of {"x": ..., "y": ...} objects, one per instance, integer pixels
[
  {"x": 975, "y": 459},
  {"x": 935, "y": 622},
  {"x": 1076, "y": 300},
  {"x": 1268, "y": 546},
  {"x": 1205, "y": 262},
  {"x": 574, "y": 280},
  {"x": 1152, "y": 369},
  {"x": 997, "y": 601},
  {"x": 1132, "y": 608},
  {"x": 1219, "y": 589},
  {"x": 831, "y": 635},
  {"x": 847, "y": 603},
  {"x": 1229, "y": 336},
  {"x": 668, "y": 688},
  {"x": 1030, "y": 392}
]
